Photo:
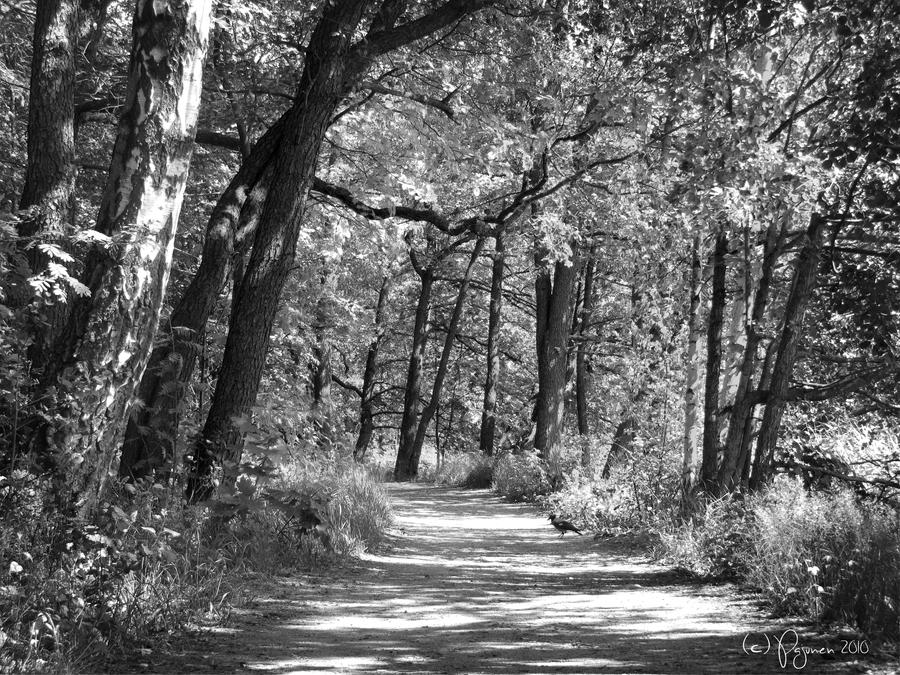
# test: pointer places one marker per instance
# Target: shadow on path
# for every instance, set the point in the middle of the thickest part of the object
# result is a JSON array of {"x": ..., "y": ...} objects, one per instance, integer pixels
[{"x": 475, "y": 585}]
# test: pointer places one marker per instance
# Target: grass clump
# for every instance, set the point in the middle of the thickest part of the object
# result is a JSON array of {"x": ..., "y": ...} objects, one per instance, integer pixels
[{"x": 471, "y": 470}]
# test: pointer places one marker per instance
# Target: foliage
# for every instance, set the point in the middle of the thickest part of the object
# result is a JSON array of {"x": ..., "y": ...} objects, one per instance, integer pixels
[
  {"x": 825, "y": 555},
  {"x": 520, "y": 478},
  {"x": 466, "y": 470},
  {"x": 828, "y": 556},
  {"x": 76, "y": 594}
]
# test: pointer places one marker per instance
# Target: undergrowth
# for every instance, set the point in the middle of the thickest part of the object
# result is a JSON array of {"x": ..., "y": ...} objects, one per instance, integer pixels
[{"x": 77, "y": 595}]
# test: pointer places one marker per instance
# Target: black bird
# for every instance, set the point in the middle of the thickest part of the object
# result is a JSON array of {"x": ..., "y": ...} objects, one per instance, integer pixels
[{"x": 563, "y": 525}]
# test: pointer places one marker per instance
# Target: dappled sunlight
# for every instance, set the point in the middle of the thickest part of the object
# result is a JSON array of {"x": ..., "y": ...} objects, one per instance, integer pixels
[{"x": 472, "y": 584}]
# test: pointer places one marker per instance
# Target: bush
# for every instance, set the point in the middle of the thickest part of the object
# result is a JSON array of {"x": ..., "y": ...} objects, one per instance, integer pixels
[
  {"x": 828, "y": 556},
  {"x": 825, "y": 555},
  {"x": 714, "y": 543},
  {"x": 520, "y": 478},
  {"x": 74, "y": 594},
  {"x": 595, "y": 504},
  {"x": 466, "y": 470}
]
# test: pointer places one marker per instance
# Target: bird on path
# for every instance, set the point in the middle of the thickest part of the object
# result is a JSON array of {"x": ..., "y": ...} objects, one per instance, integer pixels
[{"x": 563, "y": 525}]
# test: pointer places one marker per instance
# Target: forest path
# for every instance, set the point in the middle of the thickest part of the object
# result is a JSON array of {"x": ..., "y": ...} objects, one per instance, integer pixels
[{"x": 472, "y": 584}]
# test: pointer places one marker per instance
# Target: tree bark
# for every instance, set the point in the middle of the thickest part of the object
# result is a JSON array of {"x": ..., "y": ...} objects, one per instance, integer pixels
[
  {"x": 152, "y": 431},
  {"x": 691, "y": 439},
  {"x": 804, "y": 283},
  {"x": 104, "y": 349},
  {"x": 554, "y": 306},
  {"x": 582, "y": 376},
  {"x": 410, "y": 463},
  {"x": 408, "y": 427},
  {"x": 714, "y": 364},
  {"x": 367, "y": 398},
  {"x": 742, "y": 409},
  {"x": 492, "y": 377},
  {"x": 50, "y": 164}
]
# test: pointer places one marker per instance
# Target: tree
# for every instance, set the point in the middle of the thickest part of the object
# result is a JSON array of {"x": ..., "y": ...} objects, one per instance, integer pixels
[{"x": 101, "y": 353}]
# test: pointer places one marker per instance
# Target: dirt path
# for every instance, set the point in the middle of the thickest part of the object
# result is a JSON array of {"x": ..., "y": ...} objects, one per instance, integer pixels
[{"x": 475, "y": 585}]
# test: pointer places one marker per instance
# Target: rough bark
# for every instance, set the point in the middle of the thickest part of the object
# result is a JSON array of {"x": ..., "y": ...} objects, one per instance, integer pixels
[
  {"x": 413, "y": 392},
  {"x": 714, "y": 364},
  {"x": 804, "y": 282},
  {"x": 152, "y": 430},
  {"x": 582, "y": 376},
  {"x": 736, "y": 445},
  {"x": 370, "y": 372},
  {"x": 492, "y": 376},
  {"x": 104, "y": 349},
  {"x": 691, "y": 440},
  {"x": 50, "y": 164},
  {"x": 554, "y": 293},
  {"x": 409, "y": 465}
]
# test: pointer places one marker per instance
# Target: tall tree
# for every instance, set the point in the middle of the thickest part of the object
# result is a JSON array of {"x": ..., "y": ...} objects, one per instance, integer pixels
[
  {"x": 492, "y": 374},
  {"x": 554, "y": 303},
  {"x": 50, "y": 167},
  {"x": 333, "y": 66},
  {"x": 103, "y": 350}
]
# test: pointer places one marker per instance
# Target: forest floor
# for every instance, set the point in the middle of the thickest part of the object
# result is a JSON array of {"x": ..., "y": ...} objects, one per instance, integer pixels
[{"x": 471, "y": 584}]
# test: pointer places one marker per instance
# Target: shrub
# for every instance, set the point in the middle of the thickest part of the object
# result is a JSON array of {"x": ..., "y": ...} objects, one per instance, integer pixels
[
  {"x": 520, "y": 478},
  {"x": 827, "y": 555},
  {"x": 713, "y": 544},
  {"x": 467, "y": 470},
  {"x": 73, "y": 594}
]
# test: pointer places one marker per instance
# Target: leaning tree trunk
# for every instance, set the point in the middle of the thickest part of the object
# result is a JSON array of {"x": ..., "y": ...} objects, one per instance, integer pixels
[
  {"x": 807, "y": 268},
  {"x": 370, "y": 372},
  {"x": 50, "y": 164},
  {"x": 333, "y": 67},
  {"x": 104, "y": 348},
  {"x": 152, "y": 431},
  {"x": 691, "y": 438},
  {"x": 410, "y": 463},
  {"x": 713, "y": 365},
  {"x": 492, "y": 376},
  {"x": 413, "y": 390},
  {"x": 322, "y": 85},
  {"x": 554, "y": 305}
]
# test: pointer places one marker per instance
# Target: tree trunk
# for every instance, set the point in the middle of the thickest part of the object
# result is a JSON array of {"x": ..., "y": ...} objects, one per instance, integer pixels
[
  {"x": 403, "y": 469},
  {"x": 410, "y": 462},
  {"x": 692, "y": 377},
  {"x": 366, "y": 404},
  {"x": 323, "y": 83},
  {"x": 50, "y": 165},
  {"x": 622, "y": 444},
  {"x": 736, "y": 445},
  {"x": 582, "y": 376},
  {"x": 333, "y": 67},
  {"x": 713, "y": 365},
  {"x": 492, "y": 377},
  {"x": 104, "y": 349},
  {"x": 807, "y": 268},
  {"x": 554, "y": 305},
  {"x": 152, "y": 430},
  {"x": 323, "y": 406}
]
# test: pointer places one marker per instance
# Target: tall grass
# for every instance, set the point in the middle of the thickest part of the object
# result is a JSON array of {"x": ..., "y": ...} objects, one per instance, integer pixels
[{"x": 825, "y": 555}]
